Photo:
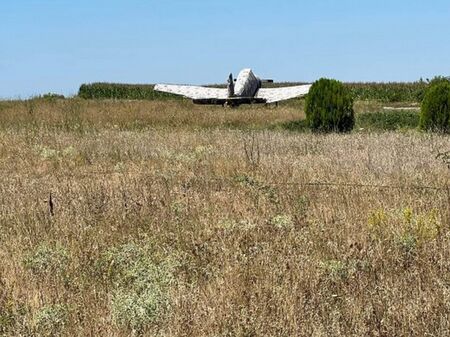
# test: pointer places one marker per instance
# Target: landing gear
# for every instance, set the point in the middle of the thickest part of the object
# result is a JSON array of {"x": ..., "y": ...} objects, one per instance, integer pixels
[
  {"x": 271, "y": 105},
  {"x": 230, "y": 104}
]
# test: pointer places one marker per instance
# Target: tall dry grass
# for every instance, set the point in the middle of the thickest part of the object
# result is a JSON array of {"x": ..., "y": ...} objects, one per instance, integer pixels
[
  {"x": 205, "y": 230},
  {"x": 91, "y": 115}
]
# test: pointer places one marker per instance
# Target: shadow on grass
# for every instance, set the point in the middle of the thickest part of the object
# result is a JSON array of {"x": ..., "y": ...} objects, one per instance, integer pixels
[{"x": 298, "y": 126}]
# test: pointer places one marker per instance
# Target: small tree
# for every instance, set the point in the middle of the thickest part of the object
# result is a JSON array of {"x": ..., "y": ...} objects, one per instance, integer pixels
[
  {"x": 435, "y": 111},
  {"x": 329, "y": 107}
]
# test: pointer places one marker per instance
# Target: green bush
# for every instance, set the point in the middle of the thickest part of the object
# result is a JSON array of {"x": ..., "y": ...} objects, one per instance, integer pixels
[
  {"x": 329, "y": 107},
  {"x": 438, "y": 80},
  {"x": 435, "y": 112}
]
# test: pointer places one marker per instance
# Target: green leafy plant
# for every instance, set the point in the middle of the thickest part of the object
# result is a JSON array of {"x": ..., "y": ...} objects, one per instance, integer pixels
[
  {"x": 335, "y": 270},
  {"x": 329, "y": 107},
  {"x": 50, "y": 320},
  {"x": 408, "y": 228},
  {"x": 435, "y": 112},
  {"x": 137, "y": 309},
  {"x": 141, "y": 284},
  {"x": 46, "y": 260},
  {"x": 282, "y": 221}
]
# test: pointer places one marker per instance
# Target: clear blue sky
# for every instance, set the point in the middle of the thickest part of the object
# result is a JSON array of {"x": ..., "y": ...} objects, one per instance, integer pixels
[{"x": 51, "y": 45}]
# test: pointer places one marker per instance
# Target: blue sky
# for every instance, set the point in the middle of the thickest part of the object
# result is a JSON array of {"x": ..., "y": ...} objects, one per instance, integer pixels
[{"x": 54, "y": 46}]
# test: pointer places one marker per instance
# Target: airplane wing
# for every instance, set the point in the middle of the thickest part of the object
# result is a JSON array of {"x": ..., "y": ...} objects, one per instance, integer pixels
[
  {"x": 272, "y": 95},
  {"x": 193, "y": 92}
]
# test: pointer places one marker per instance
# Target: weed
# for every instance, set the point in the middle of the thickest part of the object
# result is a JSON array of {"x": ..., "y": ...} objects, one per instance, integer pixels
[
  {"x": 444, "y": 157},
  {"x": 7, "y": 320},
  {"x": 178, "y": 208},
  {"x": 230, "y": 225},
  {"x": 377, "y": 222},
  {"x": 47, "y": 260},
  {"x": 252, "y": 150},
  {"x": 335, "y": 270},
  {"x": 301, "y": 207},
  {"x": 282, "y": 221},
  {"x": 51, "y": 320},
  {"x": 408, "y": 244},
  {"x": 141, "y": 285},
  {"x": 408, "y": 230},
  {"x": 259, "y": 187},
  {"x": 136, "y": 310}
]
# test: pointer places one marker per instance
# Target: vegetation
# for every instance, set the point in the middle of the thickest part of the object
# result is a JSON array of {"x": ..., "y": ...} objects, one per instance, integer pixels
[
  {"x": 388, "y": 120},
  {"x": 140, "y": 284},
  {"x": 47, "y": 260},
  {"x": 329, "y": 107},
  {"x": 51, "y": 320},
  {"x": 87, "y": 116},
  {"x": 169, "y": 219},
  {"x": 383, "y": 92},
  {"x": 435, "y": 113},
  {"x": 389, "y": 92},
  {"x": 52, "y": 96},
  {"x": 121, "y": 91}
]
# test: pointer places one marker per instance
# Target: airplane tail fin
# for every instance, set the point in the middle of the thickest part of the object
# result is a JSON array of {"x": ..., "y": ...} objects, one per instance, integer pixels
[{"x": 230, "y": 86}]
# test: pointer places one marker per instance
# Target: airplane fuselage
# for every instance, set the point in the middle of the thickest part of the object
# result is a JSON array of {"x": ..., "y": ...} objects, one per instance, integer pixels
[
  {"x": 242, "y": 90},
  {"x": 247, "y": 84}
]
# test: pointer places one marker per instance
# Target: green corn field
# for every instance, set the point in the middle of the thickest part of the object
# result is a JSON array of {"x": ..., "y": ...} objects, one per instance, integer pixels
[{"x": 384, "y": 92}]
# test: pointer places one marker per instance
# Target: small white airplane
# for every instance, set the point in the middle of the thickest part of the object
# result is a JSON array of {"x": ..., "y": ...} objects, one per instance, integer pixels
[{"x": 246, "y": 89}]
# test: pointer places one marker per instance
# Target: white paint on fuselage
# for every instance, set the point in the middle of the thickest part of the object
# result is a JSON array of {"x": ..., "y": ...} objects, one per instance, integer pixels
[{"x": 247, "y": 84}]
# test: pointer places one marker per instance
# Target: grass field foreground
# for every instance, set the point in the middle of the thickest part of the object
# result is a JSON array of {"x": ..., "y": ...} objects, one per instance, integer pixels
[{"x": 148, "y": 218}]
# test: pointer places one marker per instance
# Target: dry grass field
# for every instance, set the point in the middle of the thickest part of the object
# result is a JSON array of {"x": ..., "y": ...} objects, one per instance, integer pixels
[{"x": 166, "y": 219}]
